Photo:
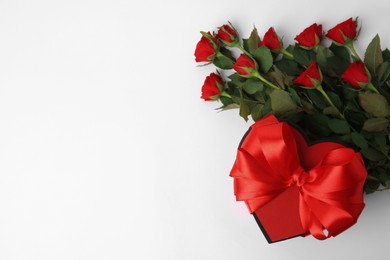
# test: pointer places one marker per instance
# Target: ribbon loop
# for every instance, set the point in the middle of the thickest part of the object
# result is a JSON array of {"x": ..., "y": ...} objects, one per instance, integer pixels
[{"x": 274, "y": 157}]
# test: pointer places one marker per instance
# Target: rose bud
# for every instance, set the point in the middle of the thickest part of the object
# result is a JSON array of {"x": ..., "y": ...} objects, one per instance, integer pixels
[
  {"x": 312, "y": 78},
  {"x": 309, "y": 77},
  {"x": 227, "y": 35},
  {"x": 271, "y": 40},
  {"x": 206, "y": 48},
  {"x": 244, "y": 65},
  {"x": 356, "y": 75},
  {"x": 212, "y": 87},
  {"x": 344, "y": 32},
  {"x": 310, "y": 37}
]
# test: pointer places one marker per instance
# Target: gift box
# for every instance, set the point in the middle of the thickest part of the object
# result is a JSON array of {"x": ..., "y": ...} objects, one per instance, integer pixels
[
  {"x": 279, "y": 219},
  {"x": 294, "y": 187}
]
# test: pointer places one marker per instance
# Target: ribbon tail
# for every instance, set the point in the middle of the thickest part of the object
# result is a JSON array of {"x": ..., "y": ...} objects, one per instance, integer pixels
[{"x": 310, "y": 223}]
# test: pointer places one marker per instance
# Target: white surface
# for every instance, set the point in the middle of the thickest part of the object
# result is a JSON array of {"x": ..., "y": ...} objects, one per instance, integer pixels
[{"x": 107, "y": 151}]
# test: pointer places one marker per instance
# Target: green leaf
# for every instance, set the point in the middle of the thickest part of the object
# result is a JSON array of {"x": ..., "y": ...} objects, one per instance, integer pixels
[
  {"x": 303, "y": 57},
  {"x": 295, "y": 118},
  {"x": 253, "y": 41},
  {"x": 267, "y": 109},
  {"x": 375, "y": 124},
  {"x": 223, "y": 62},
  {"x": 257, "y": 112},
  {"x": 370, "y": 186},
  {"x": 353, "y": 105},
  {"x": 341, "y": 52},
  {"x": 244, "y": 107},
  {"x": 356, "y": 119},
  {"x": 367, "y": 135},
  {"x": 226, "y": 101},
  {"x": 281, "y": 102},
  {"x": 277, "y": 76},
  {"x": 227, "y": 53},
  {"x": 308, "y": 107},
  {"x": 385, "y": 183},
  {"x": 339, "y": 126},
  {"x": 290, "y": 67},
  {"x": 252, "y": 85},
  {"x": 386, "y": 55},
  {"x": 236, "y": 77},
  {"x": 331, "y": 111},
  {"x": 383, "y": 72},
  {"x": 345, "y": 138},
  {"x": 375, "y": 104},
  {"x": 290, "y": 48},
  {"x": 235, "y": 83},
  {"x": 316, "y": 97},
  {"x": 263, "y": 56},
  {"x": 381, "y": 174},
  {"x": 337, "y": 64},
  {"x": 323, "y": 54},
  {"x": 373, "y": 56},
  {"x": 229, "y": 107},
  {"x": 359, "y": 140},
  {"x": 259, "y": 96},
  {"x": 317, "y": 124},
  {"x": 372, "y": 154},
  {"x": 380, "y": 139},
  {"x": 245, "y": 44},
  {"x": 349, "y": 92},
  {"x": 335, "y": 99},
  {"x": 295, "y": 97}
]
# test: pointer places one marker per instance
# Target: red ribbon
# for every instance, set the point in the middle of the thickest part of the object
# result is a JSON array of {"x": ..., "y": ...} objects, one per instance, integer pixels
[{"x": 274, "y": 157}]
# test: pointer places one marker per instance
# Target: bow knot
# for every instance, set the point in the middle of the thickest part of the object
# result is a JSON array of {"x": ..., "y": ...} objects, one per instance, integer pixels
[
  {"x": 274, "y": 157},
  {"x": 299, "y": 178}
]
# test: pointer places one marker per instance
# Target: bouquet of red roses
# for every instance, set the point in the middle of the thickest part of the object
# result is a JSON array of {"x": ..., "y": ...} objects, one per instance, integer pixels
[{"x": 330, "y": 92}]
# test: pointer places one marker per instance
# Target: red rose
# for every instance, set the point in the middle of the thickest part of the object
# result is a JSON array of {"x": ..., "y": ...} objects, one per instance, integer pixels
[
  {"x": 356, "y": 75},
  {"x": 227, "y": 34},
  {"x": 212, "y": 87},
  {"x": 310, "y": 37},
  {"x": 271, "y": 40},
  {"x": 305, "y": 79},
  {"x": 205, "y": 50},
  {"x": 244, "y": 65},
  {"x": 345, "y": 31}
]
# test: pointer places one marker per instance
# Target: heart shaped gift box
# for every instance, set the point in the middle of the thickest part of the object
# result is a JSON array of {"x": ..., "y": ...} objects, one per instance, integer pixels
[{"x": 295, "y": 188}]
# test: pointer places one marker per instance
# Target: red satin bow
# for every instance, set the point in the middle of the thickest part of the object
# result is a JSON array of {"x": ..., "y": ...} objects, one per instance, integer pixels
[{"x": 274, "y": 157}]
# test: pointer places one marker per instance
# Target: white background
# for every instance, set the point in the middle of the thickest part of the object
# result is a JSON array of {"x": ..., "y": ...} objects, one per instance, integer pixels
[{"x": 107, "y": 151}]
